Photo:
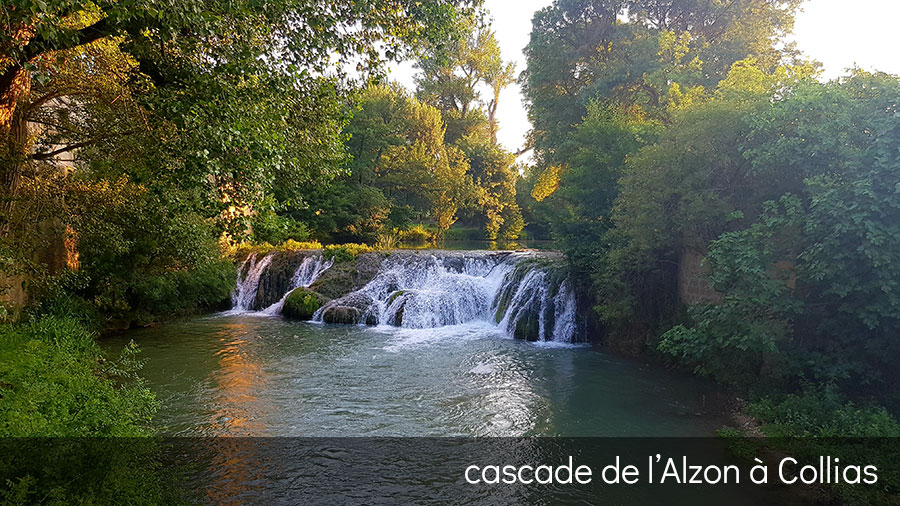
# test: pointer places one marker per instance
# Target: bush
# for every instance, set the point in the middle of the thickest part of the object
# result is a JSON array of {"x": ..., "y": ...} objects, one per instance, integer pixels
[
  {"x": 241, "y": 251},
  {"x": 182, "y": 292},
  {"x": 273, "y": 228},
  {"x": 55, "y": 382},
  {"x": 292, "y": 245},
  {"x": 819, "y": 421},
  {"x": 301, "y": 304},
  {"x": 387, "y": 240},
  {"x": 464, "y": 234},
  {"x": 346, "y": 252},
  {"x": 417, "y": 235},
  {"x": 822, "y": 412}
]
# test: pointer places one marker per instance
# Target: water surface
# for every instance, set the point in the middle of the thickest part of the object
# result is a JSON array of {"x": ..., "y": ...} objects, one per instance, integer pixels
[{"x": 249, "y": 375}]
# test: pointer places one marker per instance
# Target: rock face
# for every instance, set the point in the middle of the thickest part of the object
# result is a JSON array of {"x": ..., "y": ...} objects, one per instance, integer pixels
[
  {"x": 345, "y": 277},
  {"x": 276, "y": 279},
  {"x": 265, "y": 279}
]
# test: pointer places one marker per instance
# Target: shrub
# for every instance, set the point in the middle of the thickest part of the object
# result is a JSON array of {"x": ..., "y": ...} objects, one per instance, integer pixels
[
  {"x": 820, "y": 421},
  {"x": 346, "y": 252},
  {"x": 273, "y": 228},
  {"x": 292, "y": 245},
  {"x": 417, "y": 235},
  {"x": 240, "y": 252},
  {"x": 387, "y": 240},
  {"x": 55, "y": 382},
  {"x": 464, "y": 234},
  {"x": 181, "y": 292},
  {"x": 822, "y": 412}
]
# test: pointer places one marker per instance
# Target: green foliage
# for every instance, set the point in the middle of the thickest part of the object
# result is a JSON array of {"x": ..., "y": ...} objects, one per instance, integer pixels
[
  {"x": 239, "y": 252},
  {"x": 388, "y": 240},
  {"x": 54, "y": 382},
  {"x": 660, "y": 57},
  {"x": 416, "y": 235},
  {"x": 809, "y": 285},
  {"x": 401, "y": 171},
  {"x": 820, "y": 421},
  {"x": 301, "y": 304},
  {"x": 742, "y": 339},
  {"x": 345, "y": 252},
  {"x": 822, "y": 413},
  {"x": 181, "y": 292},
  {"x": 273, "y": 228}
]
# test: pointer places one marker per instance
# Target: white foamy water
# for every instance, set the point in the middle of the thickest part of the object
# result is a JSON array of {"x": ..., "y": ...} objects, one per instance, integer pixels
[
  {"x": 245, "y": 291},
  {"x": 430, "y": 291},
  {"x": 251, "y": 271},
  {"x": 306, "y": 274}
]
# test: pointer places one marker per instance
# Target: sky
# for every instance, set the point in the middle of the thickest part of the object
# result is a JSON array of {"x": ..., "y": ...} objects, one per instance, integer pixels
[{"x": 838, "y": 33}]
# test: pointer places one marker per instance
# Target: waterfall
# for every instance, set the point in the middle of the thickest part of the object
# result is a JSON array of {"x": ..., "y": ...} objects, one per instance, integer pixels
[
  {"x": 255, "y": 268},
  {"x": 306, "y": 274},
  {"x": 248, "y": 283},
  {"x": 527, "y": 299},
  {"x": 528, "y": 295}
]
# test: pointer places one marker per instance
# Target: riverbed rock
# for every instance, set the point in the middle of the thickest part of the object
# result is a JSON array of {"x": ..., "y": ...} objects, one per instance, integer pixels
[
  {"x": 302, "y": 303},
  {"x": 349, "y": 309}
]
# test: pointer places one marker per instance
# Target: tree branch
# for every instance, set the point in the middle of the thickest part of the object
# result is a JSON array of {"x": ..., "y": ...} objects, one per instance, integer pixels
[
  {"x": 78, "y": 145},
  {"x": 86, "y": 35}
]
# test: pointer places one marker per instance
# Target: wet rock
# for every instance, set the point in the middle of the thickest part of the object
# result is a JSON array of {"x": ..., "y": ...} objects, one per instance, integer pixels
[
  {"x": 342, "y": 314},
  {"x": 350, "y": 309},
  {"x": 276, "y": 280},
  {"x": 345, "y": 277},
  {"x": 302, "y": 303}
]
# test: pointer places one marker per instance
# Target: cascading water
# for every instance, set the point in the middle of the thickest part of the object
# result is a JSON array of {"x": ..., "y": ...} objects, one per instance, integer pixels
[
  {"x": 309, "y": 271},
  {"x": 250, "y": 273},
  {"x": 448, "y": 288},
  {"x": 248, "y": 281}
]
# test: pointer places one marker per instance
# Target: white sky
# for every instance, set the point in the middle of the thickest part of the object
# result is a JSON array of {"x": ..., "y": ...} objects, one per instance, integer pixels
[{"x": 838, "y": 33}]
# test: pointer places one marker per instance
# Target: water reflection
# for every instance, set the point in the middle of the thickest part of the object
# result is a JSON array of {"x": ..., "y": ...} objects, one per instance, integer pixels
[
  {"x": 238, "y": 379},
  {"x": 251, "y": 376}
]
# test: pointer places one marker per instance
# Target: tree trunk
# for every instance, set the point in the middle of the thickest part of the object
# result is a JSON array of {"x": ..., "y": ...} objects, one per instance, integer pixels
[
  {"x": 15, "y": 85},
  {"x": 492, "y": 115}
]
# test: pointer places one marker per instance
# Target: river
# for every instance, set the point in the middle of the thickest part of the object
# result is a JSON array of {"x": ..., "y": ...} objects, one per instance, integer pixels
[
  {"x": 433, "y": 355},
  {"x": 252, "y": 375}
]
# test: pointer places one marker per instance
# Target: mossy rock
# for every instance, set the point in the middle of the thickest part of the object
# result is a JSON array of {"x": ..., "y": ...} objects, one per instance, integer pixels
[
  {"x": 353, "y": 308},
  {"x": 302, "y": 303},
  {"x": 345, "y": 277},
  {"x": 528, "y": 327},
  {"x": 394, "y": 296}
]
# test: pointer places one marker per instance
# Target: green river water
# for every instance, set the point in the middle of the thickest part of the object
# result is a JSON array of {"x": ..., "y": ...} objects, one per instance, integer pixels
[{"x": 248, "y": 375}]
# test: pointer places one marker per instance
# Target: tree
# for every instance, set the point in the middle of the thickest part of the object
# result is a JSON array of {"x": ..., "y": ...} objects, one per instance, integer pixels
[
  {"x": 191, "y": 47},
  {"x": 806, "y": 267},
  {"x": 401, "y": 170},
  {"x": 454, "y": 81},
  {"x": 666, "y": 50}
]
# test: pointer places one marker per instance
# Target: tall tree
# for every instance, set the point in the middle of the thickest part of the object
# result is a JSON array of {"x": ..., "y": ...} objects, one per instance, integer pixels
[
  {"x": 175, "y": 44},
  {"x": 465, "y": 82},
  {"x": 642, "y": 55}
]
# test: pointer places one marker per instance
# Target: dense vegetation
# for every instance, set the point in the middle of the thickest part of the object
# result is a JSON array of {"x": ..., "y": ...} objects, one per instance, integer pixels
[
  {"x": 140, "y": 140},
  {"x": 668, "y": 131}
]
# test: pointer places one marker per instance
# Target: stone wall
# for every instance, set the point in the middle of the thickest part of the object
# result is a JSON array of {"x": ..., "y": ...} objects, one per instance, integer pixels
[{"x": 692, "y": 284}]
